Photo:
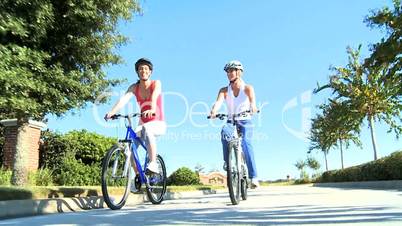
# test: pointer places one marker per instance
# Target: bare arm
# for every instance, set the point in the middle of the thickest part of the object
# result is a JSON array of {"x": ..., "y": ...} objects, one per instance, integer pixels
[
  {"x": 120, "y": 103},
  {"x": 218, "y": 103},
  {"x": 155, "y": 94},
  {"x": 249, "y": 90}
]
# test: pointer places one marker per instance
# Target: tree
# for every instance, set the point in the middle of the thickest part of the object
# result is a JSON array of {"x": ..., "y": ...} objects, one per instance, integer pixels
[
  {"x": 300, "y": 165},
  {"x": 313, "y": 164},
  {"x": 53, "y": 54},
  {"x": 388, "y": 51},
  {"x": 336, "y": 124},
  {"x": 345, "y": 124},
  {"x": 367, "y": 93},
  {"x": 199, "y": 169},
  {"x": 320, "y": 138}
]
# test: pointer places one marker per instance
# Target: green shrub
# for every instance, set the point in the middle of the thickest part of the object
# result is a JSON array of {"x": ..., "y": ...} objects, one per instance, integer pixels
[
  {"x": 394, "y": 165},
  {"x": 302, "y": 181},
  {"x": 184, "y": 176},
  {"x": 41, "y": 177},
  {"x": 75, "y": 157},
  {"x": 74, "y": 173},
  {"x": 5, "y": 176}
]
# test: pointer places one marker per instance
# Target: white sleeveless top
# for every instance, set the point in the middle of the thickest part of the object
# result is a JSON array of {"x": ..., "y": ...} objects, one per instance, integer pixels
[{"x": 238, "y": 104}]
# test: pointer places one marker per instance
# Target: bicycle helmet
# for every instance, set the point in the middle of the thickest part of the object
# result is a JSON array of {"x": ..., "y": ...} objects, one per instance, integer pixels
[
  {"x": 233, "y": 64},
  {"x": 142, "y": 61}
]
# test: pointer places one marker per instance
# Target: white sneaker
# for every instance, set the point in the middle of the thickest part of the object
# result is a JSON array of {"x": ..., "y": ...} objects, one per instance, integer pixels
[
  {"x": 254, "y": 183},
  {"x": 153, "y": 167}
]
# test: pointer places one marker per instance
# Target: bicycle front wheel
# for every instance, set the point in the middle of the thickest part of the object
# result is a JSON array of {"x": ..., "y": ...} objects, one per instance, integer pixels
[
  {"x": 244, "y": 178},
  {"x": 115, "y": 177},
  {"x": 233, "y": 174},
  {"x": 156, "y": 186}
]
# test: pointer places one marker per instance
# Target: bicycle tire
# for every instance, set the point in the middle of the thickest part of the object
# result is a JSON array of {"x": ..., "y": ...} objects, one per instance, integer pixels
[
  {"x": 156, "y": 188},
  {"x": 233, "y": 179},
  {"x": 244, "y": 180},
  {"x": 111, "y": 184}
]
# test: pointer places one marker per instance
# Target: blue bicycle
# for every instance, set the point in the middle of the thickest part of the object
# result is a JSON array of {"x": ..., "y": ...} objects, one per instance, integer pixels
[{"x": 117, "y": 174}]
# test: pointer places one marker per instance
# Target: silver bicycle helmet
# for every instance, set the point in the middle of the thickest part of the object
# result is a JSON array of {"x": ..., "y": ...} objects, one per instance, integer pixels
[{"x": 233, "y": 64}]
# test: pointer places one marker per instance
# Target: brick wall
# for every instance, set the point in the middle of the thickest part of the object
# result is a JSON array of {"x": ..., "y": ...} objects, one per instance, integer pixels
[
  {"x": 30, "y": 142},
  {"x": 10, "y": 135},
  {"x": 214, "y": 178}
]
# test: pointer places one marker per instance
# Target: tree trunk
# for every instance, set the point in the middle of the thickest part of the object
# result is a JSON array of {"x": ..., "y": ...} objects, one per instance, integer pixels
[
  {"x": 372, "y": 130},
  {"x": 326, "y": 161},
  {"x": 340, "y": 141},
  {"x": 20, "y": 172}
]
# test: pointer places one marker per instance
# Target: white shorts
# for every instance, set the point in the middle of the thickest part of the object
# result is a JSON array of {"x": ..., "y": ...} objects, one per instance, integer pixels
[{"x": 152, "y": 129}]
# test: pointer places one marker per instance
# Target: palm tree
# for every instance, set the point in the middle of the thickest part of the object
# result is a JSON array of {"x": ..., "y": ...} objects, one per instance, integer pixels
[
  {"x": 336, "y": 125},
  {"x": 367, "y": 94},
  {"x": 300, "y": 165},
  {"x": 313, "y": 164}
]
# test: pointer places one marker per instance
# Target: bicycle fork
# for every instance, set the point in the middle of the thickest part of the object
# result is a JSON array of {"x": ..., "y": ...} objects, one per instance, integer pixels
[
  {"x": 127, "y": 153},
  {"x": 241, "y": 163}
]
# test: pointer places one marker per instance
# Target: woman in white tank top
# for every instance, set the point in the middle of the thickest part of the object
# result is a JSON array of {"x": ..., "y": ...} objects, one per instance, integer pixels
[{"x": 239, "y": 97}]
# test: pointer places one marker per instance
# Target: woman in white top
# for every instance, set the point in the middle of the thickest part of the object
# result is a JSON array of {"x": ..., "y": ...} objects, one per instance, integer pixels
[{"x": 239, "y": 97}]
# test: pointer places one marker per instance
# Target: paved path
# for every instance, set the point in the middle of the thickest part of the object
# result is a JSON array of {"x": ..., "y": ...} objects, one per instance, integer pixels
[{"x": 288, "y": 205}]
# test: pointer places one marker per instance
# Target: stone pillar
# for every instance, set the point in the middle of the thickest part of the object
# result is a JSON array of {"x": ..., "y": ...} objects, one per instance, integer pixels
[{"x": 30, "y": 135}]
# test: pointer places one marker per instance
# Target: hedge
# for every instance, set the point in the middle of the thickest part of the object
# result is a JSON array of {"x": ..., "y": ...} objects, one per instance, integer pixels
[{"x": 387, "y": 168}]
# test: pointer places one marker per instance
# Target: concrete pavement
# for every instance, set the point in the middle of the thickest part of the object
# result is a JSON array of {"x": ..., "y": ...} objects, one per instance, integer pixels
[
  {"x": 22, "y": 208},
  {"x": 19, "y": 208},
  {"x": 272, "y": 205}
]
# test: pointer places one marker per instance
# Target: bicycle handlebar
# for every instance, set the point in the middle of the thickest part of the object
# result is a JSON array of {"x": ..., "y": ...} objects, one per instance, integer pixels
[
  {"x": 132, "y": 115},
  {"x": 223, "y": 116}
]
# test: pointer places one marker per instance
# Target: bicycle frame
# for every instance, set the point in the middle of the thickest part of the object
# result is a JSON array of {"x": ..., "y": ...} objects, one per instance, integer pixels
[{"x": 134, "y": 142}]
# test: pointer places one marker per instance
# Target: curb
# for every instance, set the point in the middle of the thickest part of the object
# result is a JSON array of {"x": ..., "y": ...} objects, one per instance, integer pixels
[
  {"x": 383, "y": 185},
  {"x": 29, "y": 207}
]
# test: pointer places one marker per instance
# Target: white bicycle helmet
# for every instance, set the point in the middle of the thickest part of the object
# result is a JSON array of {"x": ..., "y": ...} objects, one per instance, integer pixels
[{"x": 233, "y": 64}]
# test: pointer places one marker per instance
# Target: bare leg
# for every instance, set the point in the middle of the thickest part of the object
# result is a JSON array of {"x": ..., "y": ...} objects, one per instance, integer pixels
[{"x": 152, "y": 151}]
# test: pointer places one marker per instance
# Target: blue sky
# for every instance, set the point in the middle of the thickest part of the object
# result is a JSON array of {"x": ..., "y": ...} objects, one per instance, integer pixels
[{"x": 286, "y": 48}]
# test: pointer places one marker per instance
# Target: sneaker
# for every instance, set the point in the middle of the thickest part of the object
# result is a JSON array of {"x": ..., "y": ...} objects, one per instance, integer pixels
[
  {"x": 254, "y": 183},
  {"x": 153, "y": 167}
]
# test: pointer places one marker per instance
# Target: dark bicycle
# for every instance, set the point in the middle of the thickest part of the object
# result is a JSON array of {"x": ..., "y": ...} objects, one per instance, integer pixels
[{"x": 238, "y": 180}]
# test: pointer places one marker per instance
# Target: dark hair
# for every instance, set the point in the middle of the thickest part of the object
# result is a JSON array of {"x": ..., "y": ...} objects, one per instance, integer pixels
[{"x": 142, "y": 61}]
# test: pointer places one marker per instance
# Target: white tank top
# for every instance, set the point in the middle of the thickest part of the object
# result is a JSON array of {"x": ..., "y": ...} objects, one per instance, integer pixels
[{"x": 238, "y": 104}]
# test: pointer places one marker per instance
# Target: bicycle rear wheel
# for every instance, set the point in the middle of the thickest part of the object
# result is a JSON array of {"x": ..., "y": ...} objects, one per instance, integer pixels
[
  {"x": 233, "y": 174},
  {"x": 156, "y": 187},
  {"x": 115, "y": 182}
]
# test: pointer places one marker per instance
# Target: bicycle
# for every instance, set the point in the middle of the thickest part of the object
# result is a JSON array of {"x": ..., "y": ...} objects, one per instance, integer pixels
[
  {"x": 238, "y": 180},
  {"x": 116, "y": 173}
]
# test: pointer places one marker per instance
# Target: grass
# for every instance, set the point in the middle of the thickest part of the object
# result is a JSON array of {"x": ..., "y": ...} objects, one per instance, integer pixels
[
  {"x": 42, "y": 192},
  {"x": 45, "y": 192}
]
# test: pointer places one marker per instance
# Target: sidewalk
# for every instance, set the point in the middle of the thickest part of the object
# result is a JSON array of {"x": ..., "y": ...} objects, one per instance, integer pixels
[
  {"x": 382, "y": 185},
  {"x": 29, "y": 207}
]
